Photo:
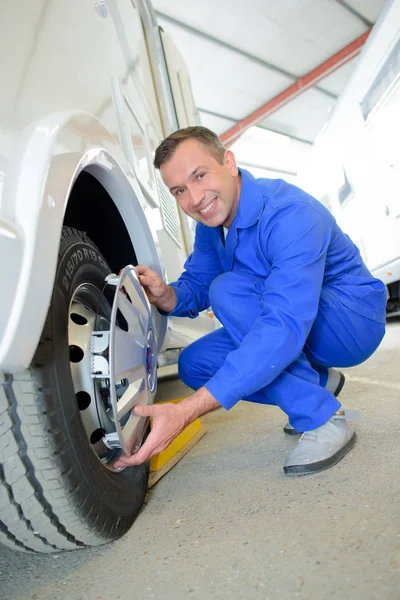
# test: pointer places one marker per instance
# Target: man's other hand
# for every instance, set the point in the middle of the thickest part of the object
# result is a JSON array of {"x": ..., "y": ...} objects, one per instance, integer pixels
[
  {"x": 168, "y": 422},
  {"x": 158, "y": 292}
]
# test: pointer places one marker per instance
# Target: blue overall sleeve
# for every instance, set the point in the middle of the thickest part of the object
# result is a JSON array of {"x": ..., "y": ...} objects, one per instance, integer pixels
[
  {"x": 295, "y": 242},
  {"x": 201, "y": 268}
]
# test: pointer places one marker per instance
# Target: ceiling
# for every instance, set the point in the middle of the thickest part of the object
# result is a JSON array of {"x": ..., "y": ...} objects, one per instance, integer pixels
[{"x": 242, "y": 55}]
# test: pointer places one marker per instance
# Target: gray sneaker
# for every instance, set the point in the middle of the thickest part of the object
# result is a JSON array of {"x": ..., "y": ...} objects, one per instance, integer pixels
[
  {"x": 321, "y": 448},
  {"x": 334, "y": 384}
]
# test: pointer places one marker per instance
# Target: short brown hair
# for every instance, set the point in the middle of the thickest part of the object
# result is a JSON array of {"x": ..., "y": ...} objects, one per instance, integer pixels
[{"x": 207, "y": 137}]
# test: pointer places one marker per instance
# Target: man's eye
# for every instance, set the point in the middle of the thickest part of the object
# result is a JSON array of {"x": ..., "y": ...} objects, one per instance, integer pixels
[
  {"x": 200, "y": 176},
  {"x": 179, "y": 192}
]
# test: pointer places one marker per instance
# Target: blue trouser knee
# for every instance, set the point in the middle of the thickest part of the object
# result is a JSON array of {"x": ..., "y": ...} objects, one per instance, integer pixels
[{"x": 339, "y": 338}]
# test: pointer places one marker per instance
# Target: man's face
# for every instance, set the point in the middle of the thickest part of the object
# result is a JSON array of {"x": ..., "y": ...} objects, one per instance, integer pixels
[{"x": 206, "y": 190}]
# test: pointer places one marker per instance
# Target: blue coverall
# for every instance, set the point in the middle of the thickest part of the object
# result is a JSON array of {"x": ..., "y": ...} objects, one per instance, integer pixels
[{"x": 294, "y": 298}]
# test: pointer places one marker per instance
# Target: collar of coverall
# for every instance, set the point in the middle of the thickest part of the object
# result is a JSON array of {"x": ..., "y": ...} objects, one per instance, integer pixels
[{"x": 250, "y": 204}]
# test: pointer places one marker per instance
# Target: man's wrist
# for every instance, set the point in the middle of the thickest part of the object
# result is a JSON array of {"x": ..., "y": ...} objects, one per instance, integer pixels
[
  {"x": 167, "y": 302},
  {"x": 200, "y": 403}
]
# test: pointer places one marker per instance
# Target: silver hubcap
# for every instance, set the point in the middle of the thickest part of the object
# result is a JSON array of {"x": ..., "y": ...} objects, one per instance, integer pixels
[{"x": 113, "y": 364}]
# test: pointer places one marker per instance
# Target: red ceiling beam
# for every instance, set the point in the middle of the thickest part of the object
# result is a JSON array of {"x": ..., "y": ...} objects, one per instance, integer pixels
[{"x": 298, "y": 87}]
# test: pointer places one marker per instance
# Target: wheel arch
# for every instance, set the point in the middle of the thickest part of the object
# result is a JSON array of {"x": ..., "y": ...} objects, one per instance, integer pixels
[
  {"x": 50, "y": 158},
  {"x": 91, "y": 209}
]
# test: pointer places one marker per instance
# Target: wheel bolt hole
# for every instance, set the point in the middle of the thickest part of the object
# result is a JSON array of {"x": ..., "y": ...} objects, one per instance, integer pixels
[
  {"x": 83, "y": 399},
  {"x": 97, "y": 435},
  {"x": 75, "y": 354},
  {"x": 78, "y": 319}
]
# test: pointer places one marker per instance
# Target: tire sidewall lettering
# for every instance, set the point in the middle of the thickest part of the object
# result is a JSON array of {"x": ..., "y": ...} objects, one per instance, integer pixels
[{"x": 76, "y": 258}]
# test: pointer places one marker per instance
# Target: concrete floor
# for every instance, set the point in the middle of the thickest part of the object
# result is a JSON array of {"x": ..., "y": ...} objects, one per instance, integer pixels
[{"x": 226, "y": 523}]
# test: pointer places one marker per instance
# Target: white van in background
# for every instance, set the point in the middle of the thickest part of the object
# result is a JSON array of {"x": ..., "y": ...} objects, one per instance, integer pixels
[
  {"x": 89, "y": 89},
  {"x": 355, "y": 163}
]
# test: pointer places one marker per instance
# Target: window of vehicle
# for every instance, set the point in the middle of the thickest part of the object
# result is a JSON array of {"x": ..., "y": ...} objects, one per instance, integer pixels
[
  {"x": 383, "y": 83},
  {"x": 345, "y": 190}
]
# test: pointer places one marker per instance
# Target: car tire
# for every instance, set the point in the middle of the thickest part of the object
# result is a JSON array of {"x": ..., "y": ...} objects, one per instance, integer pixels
[{"x": 55, "y": 493}]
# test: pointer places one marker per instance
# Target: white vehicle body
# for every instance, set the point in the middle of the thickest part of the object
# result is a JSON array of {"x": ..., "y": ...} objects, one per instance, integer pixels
[
  {"x": 86, "y": 88},
  {"x": 89, "y": 90},
  {"x": 355, "y": 164}
]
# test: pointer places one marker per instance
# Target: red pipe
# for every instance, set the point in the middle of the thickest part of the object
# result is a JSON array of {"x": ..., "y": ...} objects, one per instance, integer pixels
[{"x": 298, "y": 87}]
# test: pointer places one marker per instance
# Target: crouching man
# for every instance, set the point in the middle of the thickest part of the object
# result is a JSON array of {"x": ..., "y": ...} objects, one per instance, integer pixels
[{"x": 290, "y": 288}]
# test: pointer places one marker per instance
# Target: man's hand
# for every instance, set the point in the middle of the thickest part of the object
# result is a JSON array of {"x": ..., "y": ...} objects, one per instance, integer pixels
[
  {"x": 168, "y": 421},
  {"x": 158, "y": 292}
]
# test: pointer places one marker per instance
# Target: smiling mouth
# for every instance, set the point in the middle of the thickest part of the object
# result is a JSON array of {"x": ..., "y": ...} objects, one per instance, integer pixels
[{"x": 208, "y": 208}]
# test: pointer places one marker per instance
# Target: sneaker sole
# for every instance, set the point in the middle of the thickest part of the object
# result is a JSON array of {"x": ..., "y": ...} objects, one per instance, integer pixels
[
  {"x": 335, "y": 393},
  {"x": 292, "y": 431},
  {"x": 340, "y": 385},
  {"x": 322, "y": 465}
]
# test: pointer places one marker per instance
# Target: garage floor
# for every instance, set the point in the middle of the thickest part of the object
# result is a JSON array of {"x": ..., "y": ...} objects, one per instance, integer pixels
[{"x": 226, "y": 523}]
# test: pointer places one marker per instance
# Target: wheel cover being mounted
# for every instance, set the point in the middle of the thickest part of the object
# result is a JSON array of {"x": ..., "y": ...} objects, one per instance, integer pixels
[{"x": 121, "y": 365}]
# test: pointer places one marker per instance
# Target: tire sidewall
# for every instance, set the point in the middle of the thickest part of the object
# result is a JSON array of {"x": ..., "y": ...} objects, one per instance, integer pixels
[{"x": 120, "y": 494}]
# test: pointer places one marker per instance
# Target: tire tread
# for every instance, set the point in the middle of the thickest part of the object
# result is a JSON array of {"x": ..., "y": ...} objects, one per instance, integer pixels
[{"x": 28, "y": 512}]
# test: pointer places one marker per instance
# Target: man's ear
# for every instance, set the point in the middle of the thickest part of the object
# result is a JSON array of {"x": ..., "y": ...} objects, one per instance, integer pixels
[{"x": 230, "y": 162}]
